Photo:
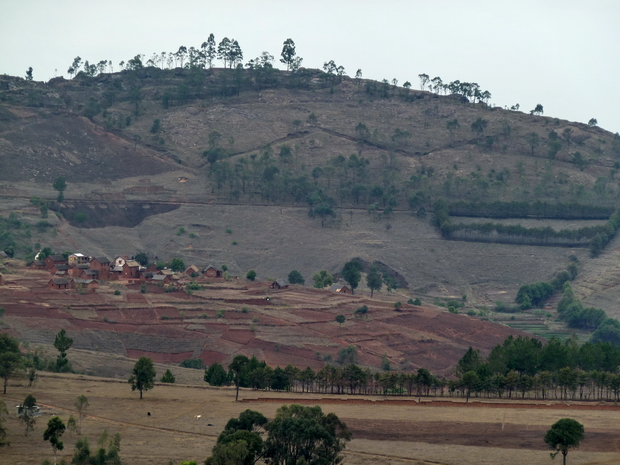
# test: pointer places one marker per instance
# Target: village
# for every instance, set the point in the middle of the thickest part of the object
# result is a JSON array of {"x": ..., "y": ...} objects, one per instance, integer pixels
[
  {"x": 83, "y": 272},
  {"x": 80, "y": 271}
]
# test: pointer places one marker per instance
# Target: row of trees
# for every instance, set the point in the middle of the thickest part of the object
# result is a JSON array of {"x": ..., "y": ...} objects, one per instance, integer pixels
[
  {"x": 537, "y": 209},
  {"x": 558, "y": 369},
  {"x": 203, "y": 57},
  {"x": 469, "y": 90},
  {"x": 522, "y": 366},
  {"x": 595, "y": 237},
  {"x": 352, "y": 273}
]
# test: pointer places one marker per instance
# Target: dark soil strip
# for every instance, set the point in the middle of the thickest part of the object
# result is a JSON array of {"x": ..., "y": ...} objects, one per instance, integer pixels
[{"x": 511, "y": 436}]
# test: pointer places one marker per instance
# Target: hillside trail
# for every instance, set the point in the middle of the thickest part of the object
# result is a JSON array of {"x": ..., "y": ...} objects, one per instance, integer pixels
[{"x": 62, "y": 231}]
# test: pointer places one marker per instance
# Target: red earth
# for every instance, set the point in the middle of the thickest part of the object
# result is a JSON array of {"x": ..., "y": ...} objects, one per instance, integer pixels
[{"x": 294, "y": 325}]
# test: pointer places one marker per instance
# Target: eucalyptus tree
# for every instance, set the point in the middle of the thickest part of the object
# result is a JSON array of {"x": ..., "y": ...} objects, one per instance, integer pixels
[
  {"x": 289, "y": 55},
  {"x": 423, "y": 80},
  {"x": 209, "y": 50}
]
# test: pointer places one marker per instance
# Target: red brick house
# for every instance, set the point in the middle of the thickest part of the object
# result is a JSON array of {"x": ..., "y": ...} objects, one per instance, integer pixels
[
  {"x": 212, "y": 272},
  {"x": 279, "y": 284},
  {"x": 340, "y": 288},
  {"x": 58, "y": 283},
  {"x": 52, "y": 260},
  {"x": 60, "y": 269},
  {"x": 90, "y": 285},
  {"x": 131, "y": 269},
  {"x": 102, "y": 265},
  {"x": 77, "y": 270},
  {"x": 160, "y": 278},
  {"x": 192, "y": 270},
  {"x": 37, "y": 265}
]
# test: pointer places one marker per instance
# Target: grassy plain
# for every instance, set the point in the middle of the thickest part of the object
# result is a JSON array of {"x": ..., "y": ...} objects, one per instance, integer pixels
[{"x": 185, "y": 421}]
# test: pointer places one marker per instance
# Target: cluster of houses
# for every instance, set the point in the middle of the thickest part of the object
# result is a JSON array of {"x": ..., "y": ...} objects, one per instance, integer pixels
[
  {"x": 84, "y": 272},
  {"x": 79, "y": 271}
]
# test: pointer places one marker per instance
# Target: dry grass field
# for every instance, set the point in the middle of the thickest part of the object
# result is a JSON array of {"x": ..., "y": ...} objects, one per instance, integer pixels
[{"x": 390, "y": 431}]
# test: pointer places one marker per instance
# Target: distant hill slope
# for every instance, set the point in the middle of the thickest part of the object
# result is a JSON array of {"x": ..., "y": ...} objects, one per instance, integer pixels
[
  {"x": 253, "y": 153},
  {"x": 296, "y": 325}
]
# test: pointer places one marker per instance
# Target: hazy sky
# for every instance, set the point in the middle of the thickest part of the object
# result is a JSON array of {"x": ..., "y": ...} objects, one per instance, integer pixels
[{"x": 563, "y": 54}]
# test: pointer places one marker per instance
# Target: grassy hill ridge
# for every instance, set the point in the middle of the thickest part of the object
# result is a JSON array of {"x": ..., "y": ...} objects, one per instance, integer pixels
[{"x": 365, "y": 159}]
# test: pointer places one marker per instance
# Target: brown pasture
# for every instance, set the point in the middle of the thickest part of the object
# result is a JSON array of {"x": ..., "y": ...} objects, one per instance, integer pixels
[{"x": 185, "y": 420}]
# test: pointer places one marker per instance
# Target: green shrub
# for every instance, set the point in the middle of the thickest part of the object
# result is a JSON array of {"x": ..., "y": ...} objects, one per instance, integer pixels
[
  {"x": 195, "y": 363},
  {"x": 168, "y": 377}
]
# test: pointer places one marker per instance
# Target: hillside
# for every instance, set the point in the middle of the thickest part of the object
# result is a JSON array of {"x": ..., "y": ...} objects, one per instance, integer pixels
[
  {"x": 288, "y": 326},
  {"x": 149, "y": 151}
]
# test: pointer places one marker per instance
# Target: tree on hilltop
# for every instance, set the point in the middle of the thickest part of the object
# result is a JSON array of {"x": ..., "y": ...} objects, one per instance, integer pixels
[
  {"x": 209, "y": 50},
  {"x": 289, "y": 56}
]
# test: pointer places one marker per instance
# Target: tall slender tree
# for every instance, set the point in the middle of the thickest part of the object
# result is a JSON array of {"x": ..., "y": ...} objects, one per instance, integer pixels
[
  {"x": 55, "y": 429},
  {"x": 374, "y": 281},
  {"x": 289, "y": 55},
  {"x": 62, "y": 342},
  {"x": 237, "y": 366}
]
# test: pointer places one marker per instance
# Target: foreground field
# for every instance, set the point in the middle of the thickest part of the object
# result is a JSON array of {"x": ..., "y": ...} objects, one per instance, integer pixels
[{"x": 185, "y": 421}]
